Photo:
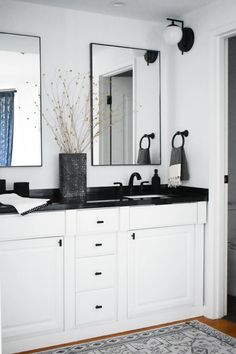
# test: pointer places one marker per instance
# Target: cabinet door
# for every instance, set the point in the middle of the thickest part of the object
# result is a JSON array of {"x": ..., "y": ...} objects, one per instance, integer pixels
[
  {"x": 160, "y": 269},
  {"x": 31, "y": 276}
]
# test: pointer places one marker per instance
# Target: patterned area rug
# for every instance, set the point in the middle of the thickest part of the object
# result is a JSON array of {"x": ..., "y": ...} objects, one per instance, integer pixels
[{"x": 185, "y": 338}]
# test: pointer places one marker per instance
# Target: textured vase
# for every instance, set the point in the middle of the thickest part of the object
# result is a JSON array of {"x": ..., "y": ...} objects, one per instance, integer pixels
[{"x": 73, "y": 176}]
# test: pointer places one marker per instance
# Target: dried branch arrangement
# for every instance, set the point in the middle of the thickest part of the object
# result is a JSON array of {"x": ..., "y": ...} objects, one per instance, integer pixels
[{"x": 68, "y": 112}]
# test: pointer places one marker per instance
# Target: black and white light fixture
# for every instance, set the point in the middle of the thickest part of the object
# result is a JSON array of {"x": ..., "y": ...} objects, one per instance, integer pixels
[{"x": 180, "y": 35}]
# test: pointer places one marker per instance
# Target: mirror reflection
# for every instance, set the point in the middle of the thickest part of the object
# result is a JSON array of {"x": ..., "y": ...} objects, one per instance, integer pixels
[
  {"x": 20, "y": 117},
  {"x": 126, "y": 104}
]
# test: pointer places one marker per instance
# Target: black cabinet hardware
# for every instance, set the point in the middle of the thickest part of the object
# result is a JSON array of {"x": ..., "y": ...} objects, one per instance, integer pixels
[
  {"x": 226, "y": 179},
  {"x": 98, "y": 244},
  {"x": 98, "y": 307},
  {"x": 98, "y": 273},
  {"x": 60, "y": 243},
  {"x": 109, "y": 100},
  {"x": 133, "y": 236},
  {"x": 100, "y": 222}
]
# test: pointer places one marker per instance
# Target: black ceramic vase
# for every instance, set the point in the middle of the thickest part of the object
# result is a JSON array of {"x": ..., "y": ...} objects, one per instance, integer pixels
[{"x": 73, "y": 176}]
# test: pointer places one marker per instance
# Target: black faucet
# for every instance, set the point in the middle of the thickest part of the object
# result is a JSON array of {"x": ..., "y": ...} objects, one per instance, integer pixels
[{"x": 131, "y": 181}]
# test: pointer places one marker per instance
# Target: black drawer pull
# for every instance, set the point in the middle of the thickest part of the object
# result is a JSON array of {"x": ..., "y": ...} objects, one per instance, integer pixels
[
  {"x": 98, "y": 244},
  {"x": 98, "y": 307},
  {"x": 98, "y": 273},
  {"x": 100, "y": 222}
]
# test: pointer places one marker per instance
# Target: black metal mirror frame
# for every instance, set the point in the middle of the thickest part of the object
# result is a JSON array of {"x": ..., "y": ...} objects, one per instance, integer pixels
[
  {"x": 91, "y": 101},
  {"x": 40, "y": 98}
]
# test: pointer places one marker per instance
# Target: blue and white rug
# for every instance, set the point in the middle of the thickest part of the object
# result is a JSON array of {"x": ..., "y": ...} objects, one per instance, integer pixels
[{"x": 185, "y": 338}]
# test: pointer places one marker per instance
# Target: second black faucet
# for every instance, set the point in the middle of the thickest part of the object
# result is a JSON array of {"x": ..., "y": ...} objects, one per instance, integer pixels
[{"x": 131, "y": 181}]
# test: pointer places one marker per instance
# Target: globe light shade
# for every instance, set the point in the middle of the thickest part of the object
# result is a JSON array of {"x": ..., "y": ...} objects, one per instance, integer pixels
[{"x": 172, "y": 34}]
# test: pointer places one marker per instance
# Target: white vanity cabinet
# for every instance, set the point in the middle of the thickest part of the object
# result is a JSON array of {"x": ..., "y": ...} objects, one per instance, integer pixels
[
  {"x": 161, "y": 268},
  {"x": 165, "y": 264},
  {"x": 31, "y": 274},
  {"x": 78, "y": 274}
]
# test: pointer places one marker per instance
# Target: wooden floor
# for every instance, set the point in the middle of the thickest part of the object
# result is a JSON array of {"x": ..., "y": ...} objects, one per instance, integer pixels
[{"x": 222, "y": 325}]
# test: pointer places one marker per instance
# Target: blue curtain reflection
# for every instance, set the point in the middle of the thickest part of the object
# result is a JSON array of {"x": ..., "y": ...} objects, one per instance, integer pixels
[{"x": 6, "y": 127}]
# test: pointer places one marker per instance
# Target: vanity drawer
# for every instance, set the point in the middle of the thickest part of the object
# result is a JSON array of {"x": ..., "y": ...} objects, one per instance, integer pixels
[
  {"x": 95, "y": 273},
  {"x": 143, "y": 217},
  {"x": 95, "y": 306},
  {"x": 36, "y": 224},
  {"x": 95, "y": 245},
  {"x": 97, "y": 220}
]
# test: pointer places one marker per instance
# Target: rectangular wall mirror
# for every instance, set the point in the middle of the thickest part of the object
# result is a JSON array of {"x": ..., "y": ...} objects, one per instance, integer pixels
[
  {"x": 20, "y": 103},
  {"x": 125, "y": 105}
]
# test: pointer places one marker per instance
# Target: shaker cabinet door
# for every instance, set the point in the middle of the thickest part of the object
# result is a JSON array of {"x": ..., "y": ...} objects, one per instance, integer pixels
[
  {"x": 161, "y": 269},
  {"x": 31, "y": 278}
]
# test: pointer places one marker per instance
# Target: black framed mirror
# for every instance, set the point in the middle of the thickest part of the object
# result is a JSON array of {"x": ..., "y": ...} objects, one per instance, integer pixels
[
  {"x": 125, "y": 105},
  {"x": 20, "y": 100}
]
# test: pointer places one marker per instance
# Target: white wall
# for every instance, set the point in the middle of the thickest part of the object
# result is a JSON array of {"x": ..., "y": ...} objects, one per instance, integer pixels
[
  {"x": 193, "y": 86},
  {"x": 66, "y": 35}
]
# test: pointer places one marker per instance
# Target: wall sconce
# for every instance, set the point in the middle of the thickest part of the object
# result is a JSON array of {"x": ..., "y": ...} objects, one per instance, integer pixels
[
  {"x": 151, "y": 56},
  {"x": 182, "y": 36}
]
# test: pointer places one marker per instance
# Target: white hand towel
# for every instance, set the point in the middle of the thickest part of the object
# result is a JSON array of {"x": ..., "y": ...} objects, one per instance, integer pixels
[
  {"x": 23, "y": 205},
  {"x": 174, "y": 179}
]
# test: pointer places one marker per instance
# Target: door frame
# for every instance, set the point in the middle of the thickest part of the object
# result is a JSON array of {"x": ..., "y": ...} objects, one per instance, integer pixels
[{"x": 216, "y": 243}]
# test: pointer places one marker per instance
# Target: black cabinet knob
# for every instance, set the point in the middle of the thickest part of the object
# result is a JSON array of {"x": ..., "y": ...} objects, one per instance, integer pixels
[
  {"x": 98, "y": 273},
  {"x": 98, "y": 244},
  {"x": 100, "y": 222},
  {"x": 98, "y": 307}
]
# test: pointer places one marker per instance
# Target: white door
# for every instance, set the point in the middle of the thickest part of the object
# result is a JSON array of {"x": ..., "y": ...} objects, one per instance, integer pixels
[
  {"x": 122, "y": 120},
  {"x": 31, "y": 277},
  {"x": 160, "y": 269},
  {"x": 102, "y": 143},
  {"x": 114, "y": 145}
]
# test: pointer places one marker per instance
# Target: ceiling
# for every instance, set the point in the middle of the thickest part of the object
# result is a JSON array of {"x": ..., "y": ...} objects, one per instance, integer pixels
[{"x": 150, "y": 10}]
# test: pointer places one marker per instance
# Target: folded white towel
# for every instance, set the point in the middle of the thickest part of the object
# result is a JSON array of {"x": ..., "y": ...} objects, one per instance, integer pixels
[
  {"x": 23, "y": 205},
  {"x": 174, "y": 179}
]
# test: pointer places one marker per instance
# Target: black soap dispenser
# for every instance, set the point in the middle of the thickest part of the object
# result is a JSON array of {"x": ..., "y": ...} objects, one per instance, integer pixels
[{"x": 156, "y": 182}]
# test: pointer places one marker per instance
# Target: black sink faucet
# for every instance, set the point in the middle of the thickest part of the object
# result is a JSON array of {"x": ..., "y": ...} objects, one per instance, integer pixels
[{"x": 131, "y": 181}]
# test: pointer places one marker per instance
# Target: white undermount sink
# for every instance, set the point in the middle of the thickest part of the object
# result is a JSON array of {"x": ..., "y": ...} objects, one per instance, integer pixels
[
  {"x": 145, "y": 196},
  {"x": 103, "y": 200}
]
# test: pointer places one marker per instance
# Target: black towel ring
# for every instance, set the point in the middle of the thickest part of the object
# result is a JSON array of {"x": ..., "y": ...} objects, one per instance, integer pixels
[
  {"x": 183, "y": 134},
  {"x": 148, "y": 136}
]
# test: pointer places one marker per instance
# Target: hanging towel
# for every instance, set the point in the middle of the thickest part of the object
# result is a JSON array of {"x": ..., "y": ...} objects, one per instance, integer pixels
[
  {"x": 144, "y": 157},
  {"x": 144, "y": 153},
  {"x": 23, "y": 205},
  {"x": 178, "y": 170}
]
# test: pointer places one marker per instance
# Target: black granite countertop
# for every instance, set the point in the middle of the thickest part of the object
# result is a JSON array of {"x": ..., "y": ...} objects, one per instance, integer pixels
[{"x": 100, "y": 197}]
